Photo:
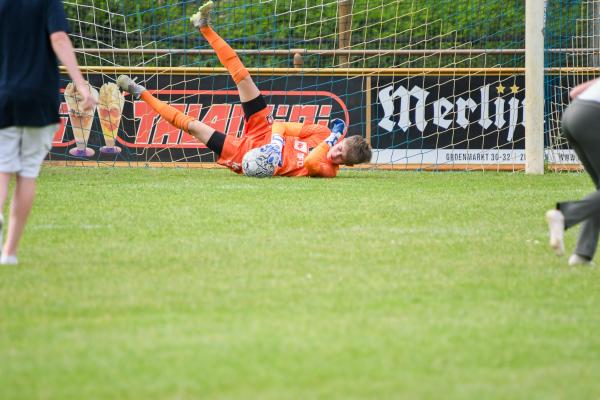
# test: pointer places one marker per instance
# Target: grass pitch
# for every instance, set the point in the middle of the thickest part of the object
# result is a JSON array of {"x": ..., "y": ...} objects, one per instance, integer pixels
[{"x": 176, "y": 284}]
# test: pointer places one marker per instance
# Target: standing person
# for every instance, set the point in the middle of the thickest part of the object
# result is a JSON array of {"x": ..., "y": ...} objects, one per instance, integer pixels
[
  {"x": 290, "y": 149},
  {"x": 581, "y": 127},
  {"x": 32, "y": 35}
]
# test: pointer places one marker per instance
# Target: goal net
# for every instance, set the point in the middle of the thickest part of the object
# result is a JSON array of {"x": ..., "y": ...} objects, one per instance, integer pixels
[
  {"x": 572, "y": 41},
  {"x": 432, "y": 84}
]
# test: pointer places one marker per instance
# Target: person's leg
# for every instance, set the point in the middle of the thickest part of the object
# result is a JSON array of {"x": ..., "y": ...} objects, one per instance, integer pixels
[
  {"x": 4, "y": 181},
  {"x": 587, "y": 212},
  {"x": 587, "y": 241},
  {"x": 212, "y": 138},
  {"x": 34, "y": 146},
  {"x": 10, "y": 162},
  {"x": 587, "y": 160},
  {"x": 20, "y": 208},
  {"x": 578, "y": 211},
  {"x": 579, "y": 126},
  {"x": 227, "y": 56},
  {"x": 203, "y": 132},
  {"x": 170, "y": 114}
]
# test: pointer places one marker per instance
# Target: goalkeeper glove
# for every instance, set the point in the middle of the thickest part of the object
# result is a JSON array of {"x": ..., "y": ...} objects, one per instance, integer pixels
[
  {"x": 337, "y": 127},
  {"x": 273, "y": 150}
]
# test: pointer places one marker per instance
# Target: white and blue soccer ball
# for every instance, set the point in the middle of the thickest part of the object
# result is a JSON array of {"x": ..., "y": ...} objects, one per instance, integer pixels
[{"x": 258, "y": 164}]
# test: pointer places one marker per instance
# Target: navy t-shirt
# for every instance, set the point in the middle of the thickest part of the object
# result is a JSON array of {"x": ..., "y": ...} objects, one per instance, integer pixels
[{"x": 29, "y": 78}]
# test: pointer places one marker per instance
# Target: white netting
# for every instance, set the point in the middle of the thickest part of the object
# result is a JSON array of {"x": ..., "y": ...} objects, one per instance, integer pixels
[{"x": 431, "y": 83}]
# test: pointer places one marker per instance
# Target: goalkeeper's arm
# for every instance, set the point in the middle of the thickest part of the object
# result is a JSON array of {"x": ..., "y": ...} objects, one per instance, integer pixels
[
  {"x": 289, "y": 129},
  {"x": 315, "y": 163},
  {"x": 316, "y": 166},
  {"x": 275, "y": 149}
]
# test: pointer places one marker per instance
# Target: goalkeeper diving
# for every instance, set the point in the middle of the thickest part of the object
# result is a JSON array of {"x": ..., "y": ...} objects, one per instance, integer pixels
[{"x": 266, "y": 148}]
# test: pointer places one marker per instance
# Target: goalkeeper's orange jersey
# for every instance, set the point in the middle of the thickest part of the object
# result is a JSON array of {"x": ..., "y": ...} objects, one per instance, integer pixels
[{"x": 304, "y": 151}]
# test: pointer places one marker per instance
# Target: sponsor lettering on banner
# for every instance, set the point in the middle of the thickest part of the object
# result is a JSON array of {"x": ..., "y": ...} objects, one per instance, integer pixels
[
  {"x": 429, "y": 112},
  {"x": 445, "y": 113},
  {"x": 447, "y": 119}
]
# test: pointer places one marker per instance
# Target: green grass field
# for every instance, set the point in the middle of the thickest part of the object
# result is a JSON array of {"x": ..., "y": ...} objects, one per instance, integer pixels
[{"x": 181, "y": 284}]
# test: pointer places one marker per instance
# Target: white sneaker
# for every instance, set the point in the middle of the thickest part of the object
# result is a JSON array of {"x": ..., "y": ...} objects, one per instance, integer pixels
[
  {"x": 556, "y": 225},
  {"x": 576, "y": 259},
  {"x": 202, "y": 17},
  {"x": 8, "y": 260}
]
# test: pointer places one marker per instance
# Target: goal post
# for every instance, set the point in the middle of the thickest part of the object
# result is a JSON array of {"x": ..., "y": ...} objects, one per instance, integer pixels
[{"x": 534, "y": 86}]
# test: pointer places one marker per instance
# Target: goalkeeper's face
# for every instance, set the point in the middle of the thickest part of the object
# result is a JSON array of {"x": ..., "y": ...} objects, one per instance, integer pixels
[{"x": 337, "y": 154}]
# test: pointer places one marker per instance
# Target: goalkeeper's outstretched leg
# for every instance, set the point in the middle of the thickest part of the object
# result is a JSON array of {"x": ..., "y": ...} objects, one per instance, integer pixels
[
  {"x": 247, "y": 89},
  {"x": 270, "y": 153},
  {"x": 208, "y": 135}
]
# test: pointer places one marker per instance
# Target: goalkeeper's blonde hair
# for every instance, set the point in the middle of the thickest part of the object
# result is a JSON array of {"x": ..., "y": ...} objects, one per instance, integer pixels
[{"x": 357, "y": 150}]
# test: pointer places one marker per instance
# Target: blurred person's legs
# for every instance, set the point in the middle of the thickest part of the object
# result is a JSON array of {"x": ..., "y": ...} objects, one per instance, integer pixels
[
  {"x": 23, "y": 150},
  {"x": 581, "y": 123},
  {"x": 4, "y": 181}
]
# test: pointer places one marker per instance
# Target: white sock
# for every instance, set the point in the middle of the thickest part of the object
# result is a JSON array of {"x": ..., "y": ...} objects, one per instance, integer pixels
[{"x": 556, "y": 225}]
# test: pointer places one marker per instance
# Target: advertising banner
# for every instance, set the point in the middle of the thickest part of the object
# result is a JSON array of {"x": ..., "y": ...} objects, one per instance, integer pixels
[
  {"x": 474, "y": 119},
  {"x": 143, "y": 136},
  {"x": 425, "y": 119},
  {"x": 449, "y": 119}
]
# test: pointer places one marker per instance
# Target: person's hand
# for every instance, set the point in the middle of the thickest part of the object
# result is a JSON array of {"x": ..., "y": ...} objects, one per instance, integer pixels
[
  {"x": 273, "y": 150},
  {"x": 88, "y": 102},
  {"x": 86, "y": 98},
  {"x": 273, "y": 154},
  {"x": 337, "y": 127}
]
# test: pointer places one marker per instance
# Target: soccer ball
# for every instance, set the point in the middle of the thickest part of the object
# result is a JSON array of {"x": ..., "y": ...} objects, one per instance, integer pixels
[{"x": 256, "y": 164}]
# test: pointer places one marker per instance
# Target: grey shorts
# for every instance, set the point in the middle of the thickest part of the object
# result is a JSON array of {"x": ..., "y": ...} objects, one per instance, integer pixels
[{"x": 23, "y": 148}]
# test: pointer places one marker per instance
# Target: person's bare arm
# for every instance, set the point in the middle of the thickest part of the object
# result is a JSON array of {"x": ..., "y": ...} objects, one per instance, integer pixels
[
  {"x": 577, "y": 90},
  {"x": 63, "y": 48}
]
